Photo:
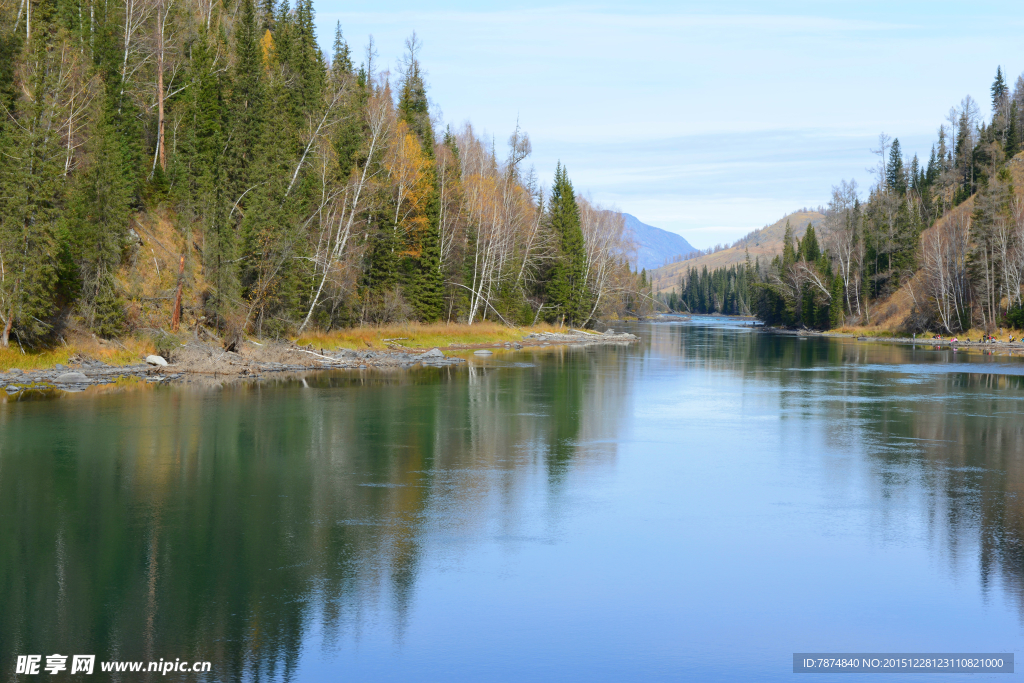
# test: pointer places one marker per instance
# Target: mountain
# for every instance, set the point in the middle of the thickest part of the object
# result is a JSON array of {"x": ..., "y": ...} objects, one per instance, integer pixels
[
  {"x": 655, "y": 246},
  {"x": 763, "y": 244}
]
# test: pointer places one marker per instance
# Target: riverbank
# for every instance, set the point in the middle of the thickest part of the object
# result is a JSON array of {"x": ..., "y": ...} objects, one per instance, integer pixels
[
  {"x": 202, "y": 357},
  {"x": 971, "y": 342}
]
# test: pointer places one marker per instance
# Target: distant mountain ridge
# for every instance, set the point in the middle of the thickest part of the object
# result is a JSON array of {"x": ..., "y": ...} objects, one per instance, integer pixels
[{"x": 655, "y": 247}]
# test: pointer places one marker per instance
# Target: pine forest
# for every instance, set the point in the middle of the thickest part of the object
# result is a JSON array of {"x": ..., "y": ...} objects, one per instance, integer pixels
[{"x": 197, "y": 163}]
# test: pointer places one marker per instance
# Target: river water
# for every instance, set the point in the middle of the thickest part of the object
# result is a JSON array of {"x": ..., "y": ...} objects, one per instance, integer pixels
[{"x": 698, "y": 506}]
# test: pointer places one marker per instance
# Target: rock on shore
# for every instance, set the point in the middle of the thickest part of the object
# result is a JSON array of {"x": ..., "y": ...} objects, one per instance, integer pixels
[
  {"x": 202, "y": 362},
  {"x": 580, "y": 337}
]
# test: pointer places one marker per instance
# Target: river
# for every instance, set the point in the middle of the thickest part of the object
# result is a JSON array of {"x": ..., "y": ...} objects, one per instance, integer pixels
[{"x": 697, "y": 506}]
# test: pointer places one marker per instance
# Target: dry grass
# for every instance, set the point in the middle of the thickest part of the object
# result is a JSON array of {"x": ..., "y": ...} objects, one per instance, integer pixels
[
  {"x": 882, "y": 333},
  {"x": 410, "y": 335},
  {"x": 419, "y": 335},
  {"x": 124, "y": 352}
]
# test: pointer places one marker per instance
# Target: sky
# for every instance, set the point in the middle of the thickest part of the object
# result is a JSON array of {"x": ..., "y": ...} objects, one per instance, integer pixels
[{"x": 698, "y": 118}]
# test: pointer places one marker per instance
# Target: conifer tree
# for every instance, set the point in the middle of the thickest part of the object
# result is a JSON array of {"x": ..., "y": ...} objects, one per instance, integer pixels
[
  {"x": 895, "y": 176},
  {"x": 1013, "y": 132},
  {"x": 31, "y": 194},
  {"x": 835, "y": 309},
  {"x": 341, "y": 63},
  {"x": 789, "y": 255},
  {"x": 382, "y": 272},
  {"x": 307, "y": 62},
  {"x": 350, "y": 131},
  {"x": 427, "y": 286},
  {"x": 426, "y": 283},
  {"x": 1000, "y": 94},
  {"x": 810, "y": 251},
  {"x": 98, "y": 218},
  {"x": 413, "y": 107},
  {"x": 567, "y": 287},
  {"x": 268, "y": 12},
  {"x": 247, "y": 102}
]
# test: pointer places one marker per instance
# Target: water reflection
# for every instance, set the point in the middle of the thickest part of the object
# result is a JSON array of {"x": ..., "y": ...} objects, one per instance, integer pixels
[
  {"x": 252, "y": 525},
  {"x": 934, "y": 423},
  {"x": 218, "y": 525}
]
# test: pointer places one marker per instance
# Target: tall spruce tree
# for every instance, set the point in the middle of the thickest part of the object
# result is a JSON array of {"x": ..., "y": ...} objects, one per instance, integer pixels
[
  {"x": 1000, "y": 97},
  {"x": 32, "y": 191},
  {"x": 895, "y": 175},
  {"x": 425, "y": 289},
  {"x": 98, "y": 219},
  {"x": 200, "y": 173},
  {"x": 567, "y": 287},
  {"x": 1013, "y": 132},
  {"x": 247, "y": 103}
]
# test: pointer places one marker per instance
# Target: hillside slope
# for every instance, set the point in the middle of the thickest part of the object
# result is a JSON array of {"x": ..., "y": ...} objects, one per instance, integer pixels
[
  {"x": 655, "y": 246},
  {"x": 763, "y": 244}
]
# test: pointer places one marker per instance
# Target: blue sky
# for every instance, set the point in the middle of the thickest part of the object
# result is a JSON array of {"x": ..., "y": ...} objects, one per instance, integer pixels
[{"x": 701, "y": 120}]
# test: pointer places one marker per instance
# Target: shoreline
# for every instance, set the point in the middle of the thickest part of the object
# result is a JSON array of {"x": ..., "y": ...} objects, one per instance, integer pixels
[
  {"x": 203, "y": 362},
  {"x": 991, "y": 347},
  {"x": 995, "y": 347}
]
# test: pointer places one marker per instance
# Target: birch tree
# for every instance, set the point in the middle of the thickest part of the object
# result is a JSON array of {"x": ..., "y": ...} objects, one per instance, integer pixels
[
  {"x": 841, "y": 240},
  {"x": 339, "y": 220},
  {"x": 946, "y": 248}
]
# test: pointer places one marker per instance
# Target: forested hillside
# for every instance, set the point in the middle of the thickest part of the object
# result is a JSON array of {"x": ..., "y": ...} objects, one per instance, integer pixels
[
  {"x": 201, "y": 162},
  {"x": 936, "y": 244},
  {"x": 762, "y": 244}
]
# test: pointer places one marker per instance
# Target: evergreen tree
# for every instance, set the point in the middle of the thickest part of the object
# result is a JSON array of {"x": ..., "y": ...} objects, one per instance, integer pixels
[
  {"x": 247, "y": 103},
  {"x": 1013, "y": 132},
  {"x": 809, "y": 249},
  {"x": 341, "y": 63},
  {"x": 789, "y": 255},
  {"x": 31, "y": 194},
  {"x": 808, "y": 306},
  {"x": 1000, "y": 94},
  {"x": 98, "y": 218},
  {"x": 413, "y": 107},
  {"x": 895, "y": 176},
  {"x": 382, "y": 272},
  {"x": 426, "y": 284},
  {"x": 932, "y": 171},
  {"x": 567, "y": 287},
  {"x": 835, "y": 308},
  {"x": 199, "y": 176},
  {"x": 268, "y": 10},
  {"x": 307, "y": 62},
  {"x": 10, "y": 48}
]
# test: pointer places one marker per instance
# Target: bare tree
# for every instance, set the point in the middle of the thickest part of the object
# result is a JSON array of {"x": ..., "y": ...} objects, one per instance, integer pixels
[
  {"x": 946, "y": 247},
  {"x": 607, "y": 247},
  {"x": 339, "y": 219},
  {"x": 503, "y": 216},
  {"x": 840, "y": 237},
  {"x": 452, "y": 206},
  {"x": 1013, "y": 261}
]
